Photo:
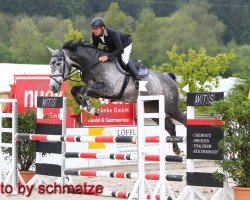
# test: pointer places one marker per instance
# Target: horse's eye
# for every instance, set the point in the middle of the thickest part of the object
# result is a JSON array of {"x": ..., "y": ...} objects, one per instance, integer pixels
[{"x": 58, "y": 64}]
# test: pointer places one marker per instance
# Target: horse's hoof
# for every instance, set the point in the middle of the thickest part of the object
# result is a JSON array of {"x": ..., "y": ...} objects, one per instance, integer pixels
[
  {"x": 97, "y": 113},
  {"x": 177, "y": 150},
  {"x": 91, "y": 110}
]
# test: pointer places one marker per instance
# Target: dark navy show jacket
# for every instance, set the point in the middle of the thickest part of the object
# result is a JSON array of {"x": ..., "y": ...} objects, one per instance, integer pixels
[{"x": 114, "y": 40}]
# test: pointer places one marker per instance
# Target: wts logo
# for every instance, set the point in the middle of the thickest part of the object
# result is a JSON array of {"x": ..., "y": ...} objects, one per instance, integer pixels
[
  {"x": 30, "y": 97},
  {"x": 204, "y": 99}
]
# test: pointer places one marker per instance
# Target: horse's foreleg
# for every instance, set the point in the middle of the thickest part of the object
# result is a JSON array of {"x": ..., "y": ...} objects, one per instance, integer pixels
[
  {"x": 80, "y": 95},
  {"x": 170, "y": 127},
  {"x": 75, "y": 91}
]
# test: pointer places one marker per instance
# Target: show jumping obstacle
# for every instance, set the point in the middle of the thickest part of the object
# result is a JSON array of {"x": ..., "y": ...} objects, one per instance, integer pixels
[
  {"x": 11, "y": 176},
  {"x": 114, "y": 156},
  {"x": 202, "y": 143},
  {"x": 197, "y": 130},
  {"x": 52, "y": 126},
  {"x": 57, "y": 131},
  {"x": 102, "y": 139},
  {"x": 127, "y": 175}
]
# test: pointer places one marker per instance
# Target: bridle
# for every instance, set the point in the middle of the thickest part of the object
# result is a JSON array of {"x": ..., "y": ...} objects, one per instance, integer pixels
[{"x": 65, "y": 64}]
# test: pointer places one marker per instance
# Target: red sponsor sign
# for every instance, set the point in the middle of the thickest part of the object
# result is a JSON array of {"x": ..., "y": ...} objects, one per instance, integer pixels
[
  {"x": 28, "y": 87},
  {"x": 112, "y": 114}
]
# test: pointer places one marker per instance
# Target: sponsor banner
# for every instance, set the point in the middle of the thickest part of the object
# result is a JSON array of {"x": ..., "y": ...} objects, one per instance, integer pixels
[
  {"x": 28, "y": 87},
  {"x": 112, "y": 114}
]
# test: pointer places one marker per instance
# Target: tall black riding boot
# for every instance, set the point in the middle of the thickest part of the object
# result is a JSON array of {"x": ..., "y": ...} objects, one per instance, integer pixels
[{"x": 133, "y": 71}]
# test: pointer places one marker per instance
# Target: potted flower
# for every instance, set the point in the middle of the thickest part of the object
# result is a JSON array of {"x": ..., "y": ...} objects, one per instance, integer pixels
[
  {"x": 26, "y": 150},
  {"x": 235, "y": 113}
]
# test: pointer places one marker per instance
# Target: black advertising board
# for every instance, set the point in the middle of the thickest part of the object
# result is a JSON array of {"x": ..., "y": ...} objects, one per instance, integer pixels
[
  {"x": 203, "y": 179},
  {"x": 48, "y": 169},
  {"x": 203, "y": 99},
  {"x": 202, "y": 142},
  {"x": 49, "y": 129}
]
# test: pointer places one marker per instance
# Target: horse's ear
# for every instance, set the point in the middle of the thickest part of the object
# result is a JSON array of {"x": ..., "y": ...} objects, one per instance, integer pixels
[
  {"x": 52, "y": 51},
  {"x": 60, "y": 49}
]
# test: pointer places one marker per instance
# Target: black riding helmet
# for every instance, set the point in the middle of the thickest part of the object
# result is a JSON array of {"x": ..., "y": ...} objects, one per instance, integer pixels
[{"x": 97, "y": 22}]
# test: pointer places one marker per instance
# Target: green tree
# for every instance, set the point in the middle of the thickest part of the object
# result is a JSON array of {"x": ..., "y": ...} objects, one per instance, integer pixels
[
  {"x": 146, "y": 32},
  {"x": 5, "y": 54},
  {"x": 26, "y": 150},
  {"x": 240, "y": 66},
  {"x": 163, "y": 8},
  {"x": 197, "y": 69},
  {"x": 134, "y": 7},
  {"x": 234, "y": 111},
  {"x": 53, "y": 27},
  {"x": 26, "y": 42},
  {"x": 4, "y": 30},
  {"x": 82, "y": 24},
  {"x": 191, "y": 27},
  {"x": 235, "y": 15},
  {"x": 117, "y": 19},
  {"x": 73, "y": 34}
]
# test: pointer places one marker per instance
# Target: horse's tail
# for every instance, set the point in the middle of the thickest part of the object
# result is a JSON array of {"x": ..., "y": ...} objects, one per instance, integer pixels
[{"x": 172, "y": 75}]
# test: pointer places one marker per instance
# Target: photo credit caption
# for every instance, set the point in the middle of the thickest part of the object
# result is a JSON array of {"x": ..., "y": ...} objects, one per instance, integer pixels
[{"x": 53, "y": 188}]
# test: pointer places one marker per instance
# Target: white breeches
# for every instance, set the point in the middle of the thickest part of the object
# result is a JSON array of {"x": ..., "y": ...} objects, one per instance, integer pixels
[{"x": 126, "y": 54}]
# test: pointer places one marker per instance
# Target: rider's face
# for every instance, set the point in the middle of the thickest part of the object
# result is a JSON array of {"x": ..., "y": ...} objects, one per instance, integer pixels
[{"x": 98, "y": 31}]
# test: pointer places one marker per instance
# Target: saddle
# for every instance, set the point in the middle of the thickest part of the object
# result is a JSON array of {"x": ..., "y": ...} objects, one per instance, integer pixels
[{"x": 142, "y": 70}]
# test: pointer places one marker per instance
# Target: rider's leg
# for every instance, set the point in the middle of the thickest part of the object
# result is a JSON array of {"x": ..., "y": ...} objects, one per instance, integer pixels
[
  {"x": 133, "y": 71},
  {"x": 129, "y": 64}
]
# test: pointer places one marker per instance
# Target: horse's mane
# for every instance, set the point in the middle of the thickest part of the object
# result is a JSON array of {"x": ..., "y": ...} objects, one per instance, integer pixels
[{"x": 72, "y": 45}]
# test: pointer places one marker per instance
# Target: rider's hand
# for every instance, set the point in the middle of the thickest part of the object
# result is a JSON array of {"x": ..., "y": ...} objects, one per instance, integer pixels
[{"x": 103, "y": 58}]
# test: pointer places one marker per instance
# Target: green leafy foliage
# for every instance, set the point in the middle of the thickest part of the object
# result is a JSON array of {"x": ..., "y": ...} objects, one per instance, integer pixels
[
  {"x": 235, "y": 113},
  {"x": 73, "y": 34},
  {"x": 197, "y": 68},
  {"x": 25, "y": 149}
]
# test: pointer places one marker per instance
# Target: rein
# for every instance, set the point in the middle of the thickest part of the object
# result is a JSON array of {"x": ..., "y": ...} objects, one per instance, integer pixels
[{"x": 85, "y": 69}]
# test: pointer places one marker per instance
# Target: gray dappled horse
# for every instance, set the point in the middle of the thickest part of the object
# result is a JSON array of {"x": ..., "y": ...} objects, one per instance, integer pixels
[{"x": 106, "y": 81}]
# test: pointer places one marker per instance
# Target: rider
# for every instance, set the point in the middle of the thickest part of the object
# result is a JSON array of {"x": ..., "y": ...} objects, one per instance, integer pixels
[{"x": 118, "y": 43}]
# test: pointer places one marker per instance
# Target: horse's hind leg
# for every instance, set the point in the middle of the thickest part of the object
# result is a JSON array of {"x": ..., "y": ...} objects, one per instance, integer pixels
[
  {"x": 179, "y": 116},
  {"x": 170, "y": 128}
]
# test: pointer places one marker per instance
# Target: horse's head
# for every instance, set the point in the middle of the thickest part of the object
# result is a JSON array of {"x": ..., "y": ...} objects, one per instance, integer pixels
[{"x": 60, "y": 69}]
